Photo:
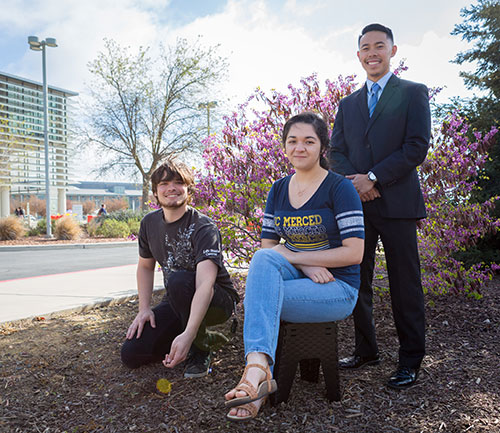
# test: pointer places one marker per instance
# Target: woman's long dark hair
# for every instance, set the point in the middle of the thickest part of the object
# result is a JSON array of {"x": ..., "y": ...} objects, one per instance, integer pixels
[{"x": 320, "y": 129}]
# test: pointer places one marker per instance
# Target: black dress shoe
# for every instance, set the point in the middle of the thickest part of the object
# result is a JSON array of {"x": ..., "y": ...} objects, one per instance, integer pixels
[
  {"x": 354, "y": 362},
  {"x": 403, "y": 377}
]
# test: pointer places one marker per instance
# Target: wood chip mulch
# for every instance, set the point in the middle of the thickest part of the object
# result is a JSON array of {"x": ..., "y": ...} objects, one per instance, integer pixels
[{"x": 64, "y": 375}]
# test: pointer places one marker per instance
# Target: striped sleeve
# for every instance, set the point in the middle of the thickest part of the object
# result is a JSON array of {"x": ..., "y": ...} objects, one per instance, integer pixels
[
  {"x": 350, "y": 223},
  {"x": 268, "y": 223},
  {"x": 349, "y": 211},
  {"x": 268, "y": 227}
]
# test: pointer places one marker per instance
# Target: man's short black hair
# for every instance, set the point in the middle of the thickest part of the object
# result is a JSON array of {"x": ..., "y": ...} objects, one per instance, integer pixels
[{"x": 376, "y": 28}]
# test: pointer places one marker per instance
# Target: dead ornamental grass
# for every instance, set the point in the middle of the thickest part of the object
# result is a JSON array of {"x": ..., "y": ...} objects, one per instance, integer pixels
[
  {"x": 67, "y": 228},
  {"x": 11, "y": 228}
]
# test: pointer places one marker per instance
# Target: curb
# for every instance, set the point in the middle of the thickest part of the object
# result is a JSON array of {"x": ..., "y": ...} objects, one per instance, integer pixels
[
  {"x": 80, "y": 309},
  {"x": 67, "y": 246}
]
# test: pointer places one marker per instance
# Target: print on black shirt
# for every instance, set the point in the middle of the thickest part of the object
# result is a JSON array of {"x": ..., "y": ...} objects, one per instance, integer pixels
[{"x": 183, "y": 244}]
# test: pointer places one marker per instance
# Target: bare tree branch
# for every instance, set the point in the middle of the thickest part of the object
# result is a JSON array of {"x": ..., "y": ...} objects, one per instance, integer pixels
[{"x": 145, "y": 110}]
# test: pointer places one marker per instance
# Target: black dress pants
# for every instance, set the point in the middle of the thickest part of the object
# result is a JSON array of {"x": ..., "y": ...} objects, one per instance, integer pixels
[
  {"x": 171, "y": 316},
  {"x": 399, "y": 238}
]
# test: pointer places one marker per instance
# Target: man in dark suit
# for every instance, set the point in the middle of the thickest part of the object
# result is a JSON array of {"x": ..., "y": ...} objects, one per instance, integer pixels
[{"x": 381, "y": 134}]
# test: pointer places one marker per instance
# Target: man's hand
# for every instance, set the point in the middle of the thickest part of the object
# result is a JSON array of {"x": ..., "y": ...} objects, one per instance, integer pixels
[
  {"x": 361, "y": 183},
  {"x": 370, "y": 195},
  {"x": 318, "y": 274},
  {"x": 364, "y": 186},
  {"x": 139, "y": 321},
  {"x": 179, "y": 350}
]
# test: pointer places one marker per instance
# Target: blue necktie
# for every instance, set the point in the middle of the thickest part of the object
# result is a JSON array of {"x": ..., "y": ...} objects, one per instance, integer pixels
[{"x": 373, "y": 98}]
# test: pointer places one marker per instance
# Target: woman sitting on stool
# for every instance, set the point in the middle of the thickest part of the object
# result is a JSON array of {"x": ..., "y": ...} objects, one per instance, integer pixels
[{"x": 314, "y": 275}]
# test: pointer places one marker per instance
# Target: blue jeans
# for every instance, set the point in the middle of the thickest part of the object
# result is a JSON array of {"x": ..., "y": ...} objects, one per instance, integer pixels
[{"x": 276, "y": 290}]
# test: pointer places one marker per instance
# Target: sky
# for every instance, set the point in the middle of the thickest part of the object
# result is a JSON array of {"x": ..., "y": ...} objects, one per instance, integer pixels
[{"x": 268, "y": 43}]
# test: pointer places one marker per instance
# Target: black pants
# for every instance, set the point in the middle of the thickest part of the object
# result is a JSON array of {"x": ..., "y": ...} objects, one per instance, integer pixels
[
  {"x": 399, "y": 238},
  {"x": 171, "y": 317}
]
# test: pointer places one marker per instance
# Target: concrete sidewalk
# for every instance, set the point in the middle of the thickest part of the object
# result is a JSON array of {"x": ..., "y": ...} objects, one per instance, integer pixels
[{"x": 73, "y": 291}]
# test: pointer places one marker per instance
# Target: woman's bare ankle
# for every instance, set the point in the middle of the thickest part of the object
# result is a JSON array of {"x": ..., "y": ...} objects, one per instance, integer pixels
[{"x": 258, "y": 358}]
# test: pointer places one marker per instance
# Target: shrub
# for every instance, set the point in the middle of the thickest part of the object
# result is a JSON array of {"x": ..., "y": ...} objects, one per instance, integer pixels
[
  {"x": 67, "y": 228},
  {"x": 37, "y": 205},
  {"x": 11, "y": 228},
  {"x": 92, "y": 226},
  {"x": 114, "y": 204},
  {"x": 243, "y": 161},
  {"x": 88, "y": 207},
  {"x": 41, "y": 228},
  {"x": 134, "y": 226},
  {"x": 14, "y": 204},
  {"x": 126, "y": 214},
  {"x": 113, "y": 229}
]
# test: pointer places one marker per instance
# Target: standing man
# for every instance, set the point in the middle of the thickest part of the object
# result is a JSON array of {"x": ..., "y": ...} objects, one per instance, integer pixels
[
  {"x": 381, "y": 134},
  {"x": 187, "y": 246},
  {"x": 102, "y": 210}
]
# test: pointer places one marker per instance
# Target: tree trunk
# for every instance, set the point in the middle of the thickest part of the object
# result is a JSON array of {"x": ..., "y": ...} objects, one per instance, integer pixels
[{"x": 145, "y": 192}]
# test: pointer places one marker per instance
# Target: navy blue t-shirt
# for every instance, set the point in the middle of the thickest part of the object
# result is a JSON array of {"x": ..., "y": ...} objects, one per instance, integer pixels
[{"x": 332, "y": 214}]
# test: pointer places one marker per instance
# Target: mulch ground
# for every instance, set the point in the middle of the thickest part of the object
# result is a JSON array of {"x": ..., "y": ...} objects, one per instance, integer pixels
[{"x": 64, "y": 375}]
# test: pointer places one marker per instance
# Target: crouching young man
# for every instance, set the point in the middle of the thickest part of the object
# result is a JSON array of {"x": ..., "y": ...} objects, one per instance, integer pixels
[{"x": 199, "y": 291}]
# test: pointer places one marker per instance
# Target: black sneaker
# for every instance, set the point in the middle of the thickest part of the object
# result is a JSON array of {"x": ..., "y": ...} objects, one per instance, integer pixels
[{"x": 198, "y": 364}]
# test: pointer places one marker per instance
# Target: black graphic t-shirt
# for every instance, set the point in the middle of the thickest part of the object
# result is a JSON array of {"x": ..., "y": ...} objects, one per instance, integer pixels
[{"x": 181, "y": 245}]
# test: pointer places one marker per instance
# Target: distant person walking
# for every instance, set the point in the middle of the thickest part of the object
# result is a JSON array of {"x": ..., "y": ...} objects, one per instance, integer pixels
[{"x": 102, "y": 210}]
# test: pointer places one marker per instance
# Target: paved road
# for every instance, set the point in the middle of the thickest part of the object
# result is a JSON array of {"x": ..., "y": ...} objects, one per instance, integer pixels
[{"x": 35, "y": 262}]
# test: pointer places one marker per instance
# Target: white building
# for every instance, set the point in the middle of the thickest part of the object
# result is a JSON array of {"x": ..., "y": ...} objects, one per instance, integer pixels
[
  {"x": 22, "y": 152},
  {"x": 100, "y": 192}
]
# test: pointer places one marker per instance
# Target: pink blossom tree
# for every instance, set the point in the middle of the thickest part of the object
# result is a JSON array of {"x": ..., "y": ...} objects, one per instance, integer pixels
[{"x": 242, "y": 163}]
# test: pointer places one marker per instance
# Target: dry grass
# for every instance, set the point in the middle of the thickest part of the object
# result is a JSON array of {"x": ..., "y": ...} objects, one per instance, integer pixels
[
  {"x": 93, "y": 226},
  {"x": 67, "y": 228},
  {"x": 11, "y": 228}
]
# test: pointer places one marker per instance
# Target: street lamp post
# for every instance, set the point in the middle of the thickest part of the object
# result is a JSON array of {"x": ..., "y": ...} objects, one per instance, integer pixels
[
  {"x": 208, "y": 106},
  {"x": 36, "y": 45}
]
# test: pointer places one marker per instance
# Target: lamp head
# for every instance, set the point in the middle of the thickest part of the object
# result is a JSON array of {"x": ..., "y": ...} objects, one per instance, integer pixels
[
  {"x": 34, "y": 43},
  {"x": 50, "y": 42}
]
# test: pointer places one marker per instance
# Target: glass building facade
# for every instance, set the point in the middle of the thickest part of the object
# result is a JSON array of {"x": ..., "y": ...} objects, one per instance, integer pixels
[{"x": 22, "y": 151}]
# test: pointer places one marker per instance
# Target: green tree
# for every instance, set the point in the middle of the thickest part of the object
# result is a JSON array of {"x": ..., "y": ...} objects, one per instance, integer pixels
[
  {"x": 144, "y": 110},
  {"x": 481, "y": 28}
]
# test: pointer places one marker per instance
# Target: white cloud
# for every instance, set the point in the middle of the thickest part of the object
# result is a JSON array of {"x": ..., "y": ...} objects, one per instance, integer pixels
[
  {"x": 80, "y": 30},
  {"x": 429, "y": 63},
  {"x": 265, "y": 51},
  {"x": 269, "y": 52},
  {"x": 269, "y": 44}
]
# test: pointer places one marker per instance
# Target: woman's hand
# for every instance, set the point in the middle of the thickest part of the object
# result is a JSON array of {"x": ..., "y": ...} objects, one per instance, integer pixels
[
  {"x": 284, "y": 251},
  {"x": 318, "y": 274}
]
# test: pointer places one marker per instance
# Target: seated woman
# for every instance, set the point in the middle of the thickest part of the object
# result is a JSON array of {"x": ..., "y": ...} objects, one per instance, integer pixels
[{"x": 314, "y": 275}]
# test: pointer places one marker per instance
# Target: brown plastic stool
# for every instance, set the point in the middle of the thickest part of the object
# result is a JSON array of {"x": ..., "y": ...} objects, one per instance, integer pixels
[{"x": 311, "y": 345}]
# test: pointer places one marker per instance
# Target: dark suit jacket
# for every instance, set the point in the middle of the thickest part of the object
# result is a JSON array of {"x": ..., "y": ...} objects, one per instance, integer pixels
[{"x": 392, "y": 143}]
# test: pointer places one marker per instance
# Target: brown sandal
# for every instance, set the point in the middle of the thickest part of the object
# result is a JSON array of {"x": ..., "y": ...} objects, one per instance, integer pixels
[
  {"x": 252, "y": 393},
  {"x": 250, "y": 407}
]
